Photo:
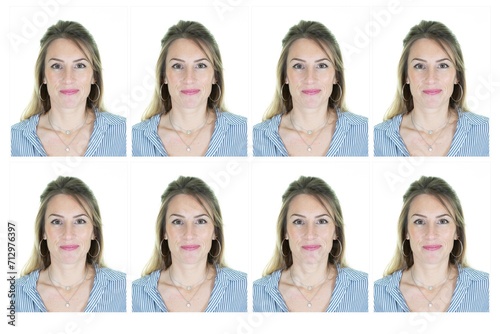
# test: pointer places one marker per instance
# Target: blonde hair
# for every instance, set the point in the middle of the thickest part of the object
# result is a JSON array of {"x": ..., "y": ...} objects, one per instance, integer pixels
[
  {"x": 438, "y": 32},
  {"x": 317, "y": 32},
  {"x": 282, "y": 257},
  {"x": 437, "y": 187},
  {"x": 80, "y": 192},
  {"x": 161, "y": 101},
  {"x": 161, "y": 258},
  {"x": 78, "y": 34}
]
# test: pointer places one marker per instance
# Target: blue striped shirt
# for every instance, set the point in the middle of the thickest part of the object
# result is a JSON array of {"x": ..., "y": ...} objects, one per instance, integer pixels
[
  {"x": 228, "y": 295},
  {"x": 350, "y": 138},
  {"x": 228, "y": 139},
  {"x": 349, "y": 295},
  {"x": 471, "y": 137},
  {"x": 108, "y": 292},
  {"x": 108, "y": 137},
  {"x": 471, "y": 293}
]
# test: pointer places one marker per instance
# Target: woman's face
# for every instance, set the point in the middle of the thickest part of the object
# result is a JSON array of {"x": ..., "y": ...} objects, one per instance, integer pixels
[
  {"x": 431, "y": 74},
  {"x": 68, "y": 74},
  {"x": 310, "y": 230},
  {"x": 189, "y": 230},
  {"x": 68, "y": 230},
  {"x": 189, "y": 74},
  {"x": 431, "y": 230},
  {"x": 310, "y": 74}
]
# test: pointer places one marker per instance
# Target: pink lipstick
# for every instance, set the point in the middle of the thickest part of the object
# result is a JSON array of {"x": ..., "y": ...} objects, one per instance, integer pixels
[
  {"x": 190, "y": 91},
  {"x": 432, "y": 247},
  {"x": 190, "y": 247},
  {"x": 311, "y": 247},
  {"x": 311, "y": 91},
  {"x": 432, "y": 91},
  {"x": 69, "y": 247},
  {"x": 69, "y": 91}
]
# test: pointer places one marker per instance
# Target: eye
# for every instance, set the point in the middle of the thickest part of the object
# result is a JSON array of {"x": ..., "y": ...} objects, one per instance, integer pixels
[
  {"x": 322, "y": 221},
  {"x": 298, "y": 222},
  {"x": 201, "y": 221},
  {"x": 443, "y": 221},
  {"x": 80, "y": 65},
  {"x": 177, "y": 66},
  {"x": 176, "y": 222},
  {"x": 201, "y": 65},
  {"x": 419, "y": 66},
  {"x": 443, "y": 65},
  {"x": 80, "y": 221},
  {"x": 418, "y": 222},
  {"x": 56, "y": 222},
  {"x": 56, "y": 66},
  {"x": 322, "y": 65},
  {"x": 298, "y": 66}
]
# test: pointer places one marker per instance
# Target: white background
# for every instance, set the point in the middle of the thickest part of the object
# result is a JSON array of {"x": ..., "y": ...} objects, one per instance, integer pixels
[{"x": 249, "y": 34}]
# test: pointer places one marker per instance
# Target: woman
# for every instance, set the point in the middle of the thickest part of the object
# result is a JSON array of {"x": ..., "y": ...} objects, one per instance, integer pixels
[
  {"x": 428, "y": 272},
  {"x": 308, "y": 272},
  {"x": 186, "y": 116},
  {"x": 308, "y": 116},
  {"x": 429, "y": 115},
  {"x": 66, "y": 271},
  {"x": 65, "y": 116},
  {"x": 187, "y": 272}
]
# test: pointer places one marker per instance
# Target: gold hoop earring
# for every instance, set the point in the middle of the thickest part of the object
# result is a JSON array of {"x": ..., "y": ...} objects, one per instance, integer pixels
[
  {"x": 403, "y": 248},
  {"x": 220, "y": 249},
  {"x": 98, "y": 249},
  {"x": 461, "y": 249},
  {"x": 40, "y": 92},
  {"x": 339, "y": 253},
  {"x": 220, "y": 94},
  {"x": 161, "y": 95},
  {"x": 98, "y": 95},
  {"x": 403, "y": 92},
  {"x": 161, "y": 244},
  {"x": 340, "y": 96},
  {"x": 281, "y": 248},
  {"x": 461, "y": 93},
  {"x": 40, "y": 249},
  {"x": 281, "y": 93}
]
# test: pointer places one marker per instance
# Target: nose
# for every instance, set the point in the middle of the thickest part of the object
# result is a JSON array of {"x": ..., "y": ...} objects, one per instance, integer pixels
[
  {"x": 310, "y": 75},
  {"x": 431, "y": 74},
  {"x": 189, "y": 230},
  {"x": 431, "y": 230},
  {"x": 311, "y": 231},
  {"x": 68, "y": 231},
  {"x": 68, "y": 76},
  {"x": 190, "y": 75}
]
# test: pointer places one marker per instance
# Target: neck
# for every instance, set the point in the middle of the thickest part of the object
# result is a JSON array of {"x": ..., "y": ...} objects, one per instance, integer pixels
[
  {"x": 310, "y": 274},
  {"x": 189, "y": 119},
  {"x": 67, "y": 119},
  {"x": 68, "y": 275},
  {"x": 430, "y": 119},
  {"x": 309, "y": 119},
  {"x": 430, "y": 275},
  {"x": 189, "y": 275}
]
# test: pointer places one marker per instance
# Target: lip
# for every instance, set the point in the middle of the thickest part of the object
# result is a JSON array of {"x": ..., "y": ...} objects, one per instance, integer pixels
[
  {"x": 190, "y": 91},
  {"x": 69, "y": 248},
  {"x": 311, "y": 91},
  {"x": 311, "y": 247},
  {"x": 69, "y": 91},
  {"x": 432, "y": 91},
  {"x": 432, "y": 247},
  {"x": 190, "y": 247}
]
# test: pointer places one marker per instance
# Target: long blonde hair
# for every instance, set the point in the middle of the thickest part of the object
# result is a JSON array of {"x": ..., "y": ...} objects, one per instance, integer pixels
[
  {"x": 438, "y": 32},
  {"x": 161, "y": 258},
  {"x": 437, "y": 187},
  {"x": 78, "y": 34},
  {"x": 282, "y": 258},
  {"x": 161, "y": 101},
  {"x": 317, "y": 32},
  {"x": 76, "y": 188}
]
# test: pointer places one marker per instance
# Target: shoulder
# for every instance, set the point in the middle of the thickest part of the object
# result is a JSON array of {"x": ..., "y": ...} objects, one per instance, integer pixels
[
  {"x": 264, "y": 281},
  {"x": 110, "y": 274},
  {"x": 387, "y": 280},
  {"x": 354, "y": 275},
  {"x": 25, "y": 124},
  {"x": 110, "y": 118},
  {"x": 143, "y": 125},
  {"x": 474, "y": 274},
  {"x": 232, "y": 119},
  {"x": 28, "y": 280},
  {"x": 354, "y": 119},
  {"x": 232, "y": 274},
  {"x": 473, "y": 118},
  {"x": 267, "y": 124},
  {"x": 384, "y": 126},
  {"x": 145, "y": 280}
]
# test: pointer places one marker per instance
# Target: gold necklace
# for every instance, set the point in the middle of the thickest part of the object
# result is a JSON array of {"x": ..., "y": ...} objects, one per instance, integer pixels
[
  {"x": 188, "y": 301},
  {"x": 68, "y": 287},
  {"x": 67, "y": 149},
  {"x": 429, "y": 287},
  {"x": 309, "y": 146},
  {"x": 429, "y": 146},
  {"x": 308, "y": 287},
  {"x": 188, "y": 146}
]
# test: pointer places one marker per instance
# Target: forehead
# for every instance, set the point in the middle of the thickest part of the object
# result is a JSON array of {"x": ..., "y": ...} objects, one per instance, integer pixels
[
  {"x": 186, "y": 203},
  {"x": 307, "y": 202},
  {"x": 309, "y": 48},
  {"x": 427, "y": 47},
  {"x": 63, "y": 47},
  {"x": 184, "y": 48},
  {"x": 63, "y": 203},
  {"x": 426, "y": 203}
]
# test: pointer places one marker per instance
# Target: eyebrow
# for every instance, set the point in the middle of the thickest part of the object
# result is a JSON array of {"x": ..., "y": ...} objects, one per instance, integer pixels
[
  {"x": 61, "y": 216},
  {"x": 74, "y": 61},
  {"x": 424, "y": 216},
  {"x": 302, "y": 216},
  {"x": 181, "y": 216},
  {"x": 425, "y": 61},
  {"x": 182, "y": 60},
  {"x": 316, "y": 61}
]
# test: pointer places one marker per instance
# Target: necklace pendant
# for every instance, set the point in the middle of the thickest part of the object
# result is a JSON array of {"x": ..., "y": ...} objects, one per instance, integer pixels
[
  {"x": 309, "y": 288},
  {"x": 309, "y": 149},
  {"x": 429, "y": 288},
  {"x": 67, "y": 304},
  {"x": 68, "y": 132},
  {"x": 430, "y": 132},
  {"x": 188, "y": 288},
  {"x": 67, "y": 148},
  {"x": 309, "y": 304},
  {"x": 430, "y": 149},
  {"x": 309, "y": 132},
  {"x": 67, "y": 288},
  {"x": 188, "y": 148},
  {"x": 430, "y": 304},
  {"x": 188, "y": 132},
  {"x": 188, "y": 304}
]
